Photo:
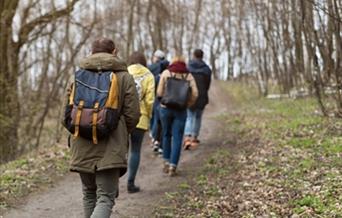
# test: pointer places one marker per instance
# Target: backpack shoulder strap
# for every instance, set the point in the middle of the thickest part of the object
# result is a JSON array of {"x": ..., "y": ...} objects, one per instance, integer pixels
[
  {"x": 71, "y": 94},
  {"x": 173, "y": 75},
  {"x": 113, "y": 97},
  {"x": 94, "y": 122},
  {"x": 185, "y": 77},
  {"x": 78, "y": 118}
]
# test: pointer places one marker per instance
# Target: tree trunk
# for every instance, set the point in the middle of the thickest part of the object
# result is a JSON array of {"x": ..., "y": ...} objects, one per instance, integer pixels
[
  {"x": 9, "y": 71},
  {"x": 9, "y": 110}
]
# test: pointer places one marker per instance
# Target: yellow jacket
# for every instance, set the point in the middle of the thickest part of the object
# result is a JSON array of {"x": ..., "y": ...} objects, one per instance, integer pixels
[{"x": 144, "y": 81}]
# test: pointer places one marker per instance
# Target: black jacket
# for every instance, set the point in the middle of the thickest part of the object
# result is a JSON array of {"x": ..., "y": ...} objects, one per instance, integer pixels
[{"x": 202, "y": 74}]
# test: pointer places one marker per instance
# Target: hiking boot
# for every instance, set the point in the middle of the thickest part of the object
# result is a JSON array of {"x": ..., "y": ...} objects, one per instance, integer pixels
[
  {"x": 187, "y": 143},
  {"x": 166, "y": 167},
  {"x": 131, "y": 188},
  {"x": 194, "y": 144},
  {"x": 172, "y": 171}
]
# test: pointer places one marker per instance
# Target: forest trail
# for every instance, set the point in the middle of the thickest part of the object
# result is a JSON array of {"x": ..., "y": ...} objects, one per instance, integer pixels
[{"x": 64, "y": 199}]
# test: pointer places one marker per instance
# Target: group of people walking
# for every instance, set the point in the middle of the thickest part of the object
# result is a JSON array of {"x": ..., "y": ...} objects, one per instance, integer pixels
[{"x": 164, "y": 98}]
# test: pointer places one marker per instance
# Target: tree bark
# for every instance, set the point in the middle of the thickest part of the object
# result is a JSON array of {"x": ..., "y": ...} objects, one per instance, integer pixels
[
  {"x": 9, "y": 70},
  {"x": 9, "y": 110}
]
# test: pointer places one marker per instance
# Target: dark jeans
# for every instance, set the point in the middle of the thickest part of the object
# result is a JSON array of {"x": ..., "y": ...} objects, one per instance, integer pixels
[
  {"x": 156, "y": 126},
  {"x": 155, "y": 112},
  {"x": 173, "y": 122},
  {"x": 99, "y": 191},
  {"x": 137, "y": 137}
]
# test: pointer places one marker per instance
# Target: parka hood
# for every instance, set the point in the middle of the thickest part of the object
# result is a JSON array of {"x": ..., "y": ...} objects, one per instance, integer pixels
[
  {"x": 103, "y": 61},
  {"x": 137, "y": 69},
  {"x": 158, "y": 67},
  {"x": 199, "y": 66}
]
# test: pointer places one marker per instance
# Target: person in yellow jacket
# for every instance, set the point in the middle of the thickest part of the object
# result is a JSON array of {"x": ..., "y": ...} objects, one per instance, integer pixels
[{"x": 144, "y": 82}]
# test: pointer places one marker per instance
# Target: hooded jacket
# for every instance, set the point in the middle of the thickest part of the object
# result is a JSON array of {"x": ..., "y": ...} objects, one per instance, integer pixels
[
  {"x": 202, "y": 75},
  {"x": 110, "y": 152},
  {"x": 158, "y": 67},
  {"x": 144, "y": 82}
]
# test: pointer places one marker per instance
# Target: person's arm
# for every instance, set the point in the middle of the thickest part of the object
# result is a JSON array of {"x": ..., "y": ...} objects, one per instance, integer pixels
[
  {"x": 162, "y": 80},
  {"x": 194, "y": 90},
  {"x": 209, "y": 79},
  {"x": 130, "y": 107}
]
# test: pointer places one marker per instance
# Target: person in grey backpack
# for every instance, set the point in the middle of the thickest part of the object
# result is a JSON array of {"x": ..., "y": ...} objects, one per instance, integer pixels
[
  {"x": 177, "y": 91},
  {"x": 202, "y": 75},
  {"x": 101, "y": 161}
]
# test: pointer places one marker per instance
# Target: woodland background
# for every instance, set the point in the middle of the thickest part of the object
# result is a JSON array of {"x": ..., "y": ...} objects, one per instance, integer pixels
[{"x": 291, "y": 48}]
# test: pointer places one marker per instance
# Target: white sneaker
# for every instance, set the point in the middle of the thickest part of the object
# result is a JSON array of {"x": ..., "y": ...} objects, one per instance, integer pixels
[
  {"x": 160, "y": 151},
  {"x": 155, "y": 146}
]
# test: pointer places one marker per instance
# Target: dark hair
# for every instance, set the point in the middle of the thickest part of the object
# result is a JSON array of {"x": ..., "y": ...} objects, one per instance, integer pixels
[
  {"x": 102, "y": 45},
  {"x": 198, "y": 53},
  {"x": 137, "y": 58}
]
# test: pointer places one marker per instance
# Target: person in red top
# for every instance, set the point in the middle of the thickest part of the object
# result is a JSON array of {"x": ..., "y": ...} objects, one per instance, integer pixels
[{"x": 173, "y": 120}]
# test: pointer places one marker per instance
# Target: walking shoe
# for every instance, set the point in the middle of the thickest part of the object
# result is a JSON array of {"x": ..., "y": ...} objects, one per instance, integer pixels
[
  {"x": 160, "y": 151},
  {"x": 152, "y": 142},
  {"x": 131, "y": 188},
  {"x": 166, "y": 167},
  {"x": 172, "y": 171},
  {"x": 187, "y": 143},
  {"x": 194, "y": 144},
  {"x": 155, "y": 146}
]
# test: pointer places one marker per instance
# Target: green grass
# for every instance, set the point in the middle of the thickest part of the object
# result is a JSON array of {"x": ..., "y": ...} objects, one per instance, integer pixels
[
  {"x": 26, "y": 174},
  {"x": 306, "y": 202},
  {"x": 293, "y": 125}
]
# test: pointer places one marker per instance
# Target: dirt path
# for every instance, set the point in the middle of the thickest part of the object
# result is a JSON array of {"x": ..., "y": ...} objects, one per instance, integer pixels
[{"x": 64, "y": 199}]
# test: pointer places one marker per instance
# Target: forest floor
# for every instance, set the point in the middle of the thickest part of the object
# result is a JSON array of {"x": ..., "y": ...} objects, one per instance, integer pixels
[
  {"x": 63, "y": 197},
  {"x": 286, "y": 162},
  {"x": 258, "y": 158}
]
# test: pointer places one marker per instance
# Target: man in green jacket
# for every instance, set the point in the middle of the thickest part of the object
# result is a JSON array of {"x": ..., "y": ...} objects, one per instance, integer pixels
[{"x": 100, "y": 165}]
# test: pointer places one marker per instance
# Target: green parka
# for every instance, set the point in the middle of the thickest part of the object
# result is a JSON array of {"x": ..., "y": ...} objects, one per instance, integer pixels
[{"x": 111, "y": 152}]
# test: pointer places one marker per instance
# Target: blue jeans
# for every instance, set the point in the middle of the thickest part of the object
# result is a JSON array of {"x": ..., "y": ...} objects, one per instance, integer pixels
[
  {"x": 193, "y": 122},
  {"x": 173, "y": 122},
  {"x": 137, "y": 137}
]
